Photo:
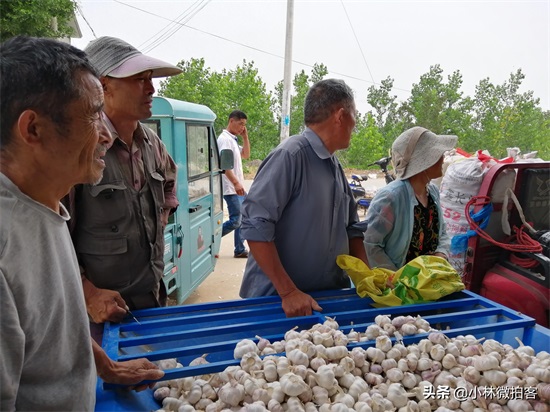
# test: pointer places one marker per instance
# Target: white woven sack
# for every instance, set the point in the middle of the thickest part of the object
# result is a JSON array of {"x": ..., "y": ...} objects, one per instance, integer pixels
[
  {"x": 461, "y": 181},
  {"x": 450, "y": 158}
]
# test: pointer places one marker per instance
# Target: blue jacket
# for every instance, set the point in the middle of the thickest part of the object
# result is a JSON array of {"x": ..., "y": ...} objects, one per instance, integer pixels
[{"x": 390, "y": 220}]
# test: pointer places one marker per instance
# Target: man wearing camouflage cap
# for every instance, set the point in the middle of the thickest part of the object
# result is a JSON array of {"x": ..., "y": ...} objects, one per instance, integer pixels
[{"x": 118, "y": 231}]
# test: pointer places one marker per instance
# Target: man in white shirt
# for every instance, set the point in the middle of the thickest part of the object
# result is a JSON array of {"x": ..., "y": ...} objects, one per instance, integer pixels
[{"x": 233, "y": 180}]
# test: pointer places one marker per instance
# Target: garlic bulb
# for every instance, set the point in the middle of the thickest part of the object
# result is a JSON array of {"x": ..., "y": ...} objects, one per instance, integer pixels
[
  {"x": 331, "y": 323},
  {"x": 297, "y": 357},
  {"x": 251, "y": 362},
  {"x": 409, "y": 329},
  {"x": 383, "y": 343},
  {"x": 161, "y": 393},
  {"x": 373, "y": 331},
  {"x": 375, "y": 355},
  {"x": 325, "y": 376},
  {"x": 397, "y": 395},
  {"x": 231, "y": 393},
  {"x": 382, "y": 320},
  {"x": 320, "y": 395},
  {"x": 245, "y": 346},
  {"x": 293, "y": 385}
]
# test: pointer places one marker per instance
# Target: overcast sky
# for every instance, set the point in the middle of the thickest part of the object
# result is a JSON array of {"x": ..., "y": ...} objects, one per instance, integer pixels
[{"x": 359, "y": 41}]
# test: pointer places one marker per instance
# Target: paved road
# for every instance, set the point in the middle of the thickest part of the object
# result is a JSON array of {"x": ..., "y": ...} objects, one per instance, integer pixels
[{"x": 225, "y": 281}]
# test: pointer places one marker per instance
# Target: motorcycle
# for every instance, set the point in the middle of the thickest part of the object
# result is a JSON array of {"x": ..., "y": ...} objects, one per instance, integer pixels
[
  {"x": 356, "y": 187},
  {"x": 383, "y": 164},
  {"x": 359, "y": 193}
]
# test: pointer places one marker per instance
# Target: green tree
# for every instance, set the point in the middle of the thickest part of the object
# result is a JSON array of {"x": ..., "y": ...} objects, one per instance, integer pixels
[
  {"x": 498, "y": 116},
  {"x": 504, "y": 117},
  {"x": 225, "y": 91},
  {"x": 246, "y": 91},
  {"x": 39, "y": 18},
  {"x": 385, "y": 111},
  {"x": 434, "y": 103},
  {"x": 437, "y": 105},
  {"x": 366, "y": 145},
  {"x": 191, "y": 85},
  {"x": 301, "y": 85}
]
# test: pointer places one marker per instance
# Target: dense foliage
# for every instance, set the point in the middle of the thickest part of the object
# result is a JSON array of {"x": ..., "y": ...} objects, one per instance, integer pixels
[
  {"x": 225, "y": 91},
  {"x": 39, "y": 18},
  {"x": 496, "y": 117}
]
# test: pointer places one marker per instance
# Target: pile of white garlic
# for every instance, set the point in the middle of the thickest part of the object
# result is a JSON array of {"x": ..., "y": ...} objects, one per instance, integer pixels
[
  {"x": 319, "y": 373},
  {"x": 386, "y": 326}
]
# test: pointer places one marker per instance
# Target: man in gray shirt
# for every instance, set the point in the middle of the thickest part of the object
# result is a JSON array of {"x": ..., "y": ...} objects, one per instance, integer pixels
[
  {"x": 300, "y": 213},
  {"x": 51, "y": 137}
]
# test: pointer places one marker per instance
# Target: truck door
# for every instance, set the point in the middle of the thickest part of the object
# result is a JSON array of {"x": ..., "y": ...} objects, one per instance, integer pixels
[
  {"x": 193, "y": 235},
  {"x": 199, "y": 203}
]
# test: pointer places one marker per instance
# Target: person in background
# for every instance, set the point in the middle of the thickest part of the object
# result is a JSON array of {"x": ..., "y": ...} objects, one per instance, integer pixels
[
  {"x": 300, "y": 213},
  {"x": 51, "y": 138},
  {"x": 118, "y": 228},
  {"x": 404, "y": 220},
  {"x": 233, "y": 180}
]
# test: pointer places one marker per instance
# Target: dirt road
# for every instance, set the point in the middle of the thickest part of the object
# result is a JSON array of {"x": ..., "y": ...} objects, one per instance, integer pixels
[{"x": 225, "y": 281}]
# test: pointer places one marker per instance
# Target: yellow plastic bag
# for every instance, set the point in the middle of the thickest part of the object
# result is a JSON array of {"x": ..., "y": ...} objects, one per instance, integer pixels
[{"x": 423, "y": 279}]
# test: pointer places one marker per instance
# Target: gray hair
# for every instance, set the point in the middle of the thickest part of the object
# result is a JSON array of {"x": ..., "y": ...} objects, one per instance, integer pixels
[
  {"x": 324, "y": 97},
  {"x": 39, "y": 74}
]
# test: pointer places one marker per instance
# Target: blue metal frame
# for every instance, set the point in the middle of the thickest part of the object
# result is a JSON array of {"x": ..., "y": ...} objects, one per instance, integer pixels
[{"x": 187, "y": 332}]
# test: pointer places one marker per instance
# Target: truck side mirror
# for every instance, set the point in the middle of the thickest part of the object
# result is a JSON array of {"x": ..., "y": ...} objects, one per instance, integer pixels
[{"x": 226, "y": 159}]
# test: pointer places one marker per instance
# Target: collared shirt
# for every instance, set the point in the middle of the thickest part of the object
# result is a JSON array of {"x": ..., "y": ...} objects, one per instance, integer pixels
[
  {"x": 301, "y": 201},
  {"x": 226, "y": 140},
  {"x": 131, "y": 162},
  {"x": 390, "y": 221}
]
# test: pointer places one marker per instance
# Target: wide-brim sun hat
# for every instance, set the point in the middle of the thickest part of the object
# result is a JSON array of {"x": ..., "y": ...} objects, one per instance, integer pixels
[
  {"x": 417, "y": 149},
  {"x": 114, "y": 57}
]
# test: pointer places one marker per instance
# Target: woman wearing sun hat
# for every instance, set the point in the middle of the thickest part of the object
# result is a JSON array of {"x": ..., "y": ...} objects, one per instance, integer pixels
[{"x": 404, "y": 218}]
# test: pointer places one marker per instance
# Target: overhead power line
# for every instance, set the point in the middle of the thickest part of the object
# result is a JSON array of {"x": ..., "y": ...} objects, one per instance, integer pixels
[
  {"x": 79, "y": 9},
  {"x": 173, "y": 26},
  {"x": 357, "y": 41},
  {"x": 252, "y": 47}
]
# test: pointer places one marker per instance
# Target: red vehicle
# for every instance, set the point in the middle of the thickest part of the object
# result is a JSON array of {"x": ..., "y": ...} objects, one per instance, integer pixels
[{"x": 518, "y": 280}]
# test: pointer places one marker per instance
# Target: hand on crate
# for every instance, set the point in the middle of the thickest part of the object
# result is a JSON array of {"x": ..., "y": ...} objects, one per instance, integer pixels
[
  {"x": 133, "y": 372},
  {"x": 103, "y": 304},
  {"x": 298, "y": 303},
  {"x": 130, "y": 373}
]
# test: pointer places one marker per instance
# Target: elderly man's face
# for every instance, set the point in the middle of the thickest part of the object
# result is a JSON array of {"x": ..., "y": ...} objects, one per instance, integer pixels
[
  {"x": 130, "y": 98},
  {"x": 348, "y": 122},
  {"x": 105, "y": 141},
  {"x": 77, "y": 153}
]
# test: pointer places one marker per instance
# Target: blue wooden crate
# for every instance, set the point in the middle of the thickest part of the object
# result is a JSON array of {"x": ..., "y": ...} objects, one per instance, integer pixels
[{"x": 187, "y": 332}]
